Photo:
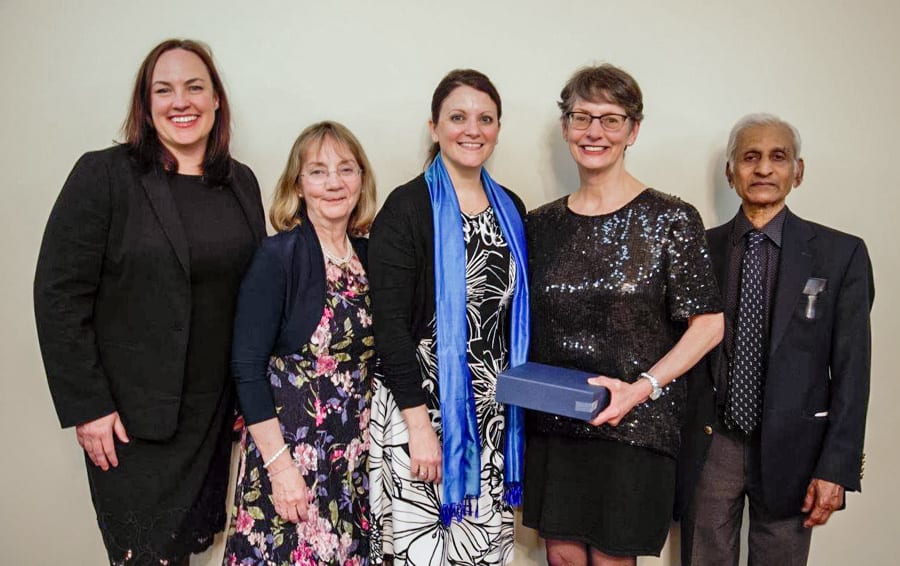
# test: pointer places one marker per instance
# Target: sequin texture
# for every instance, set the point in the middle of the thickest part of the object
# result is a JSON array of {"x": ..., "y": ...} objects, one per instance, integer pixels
[{"x": 611, "y": 294}]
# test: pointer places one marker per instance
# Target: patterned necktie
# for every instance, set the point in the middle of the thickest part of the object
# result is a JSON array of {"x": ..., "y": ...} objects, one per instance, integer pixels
[{"x": 745, "y": 382}]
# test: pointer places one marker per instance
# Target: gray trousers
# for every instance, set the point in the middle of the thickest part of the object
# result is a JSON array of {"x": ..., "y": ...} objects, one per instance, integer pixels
[{"x": 711, "y": 528}]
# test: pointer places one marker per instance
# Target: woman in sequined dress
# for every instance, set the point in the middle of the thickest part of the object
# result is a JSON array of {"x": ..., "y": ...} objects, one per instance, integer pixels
[
  {"x": 445, "y": 461},
  {"x": 302, "y": 350},
  {"x": 622, "y": 287}
]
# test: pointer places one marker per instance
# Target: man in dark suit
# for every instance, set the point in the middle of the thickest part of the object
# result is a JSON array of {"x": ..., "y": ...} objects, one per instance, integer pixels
[{"x": 777, "y": 412}]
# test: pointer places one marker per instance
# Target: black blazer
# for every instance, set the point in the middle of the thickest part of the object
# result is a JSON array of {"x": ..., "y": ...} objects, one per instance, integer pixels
[
  {"x": 112, "y": 293},
  {"x": 817, "y": 381}
]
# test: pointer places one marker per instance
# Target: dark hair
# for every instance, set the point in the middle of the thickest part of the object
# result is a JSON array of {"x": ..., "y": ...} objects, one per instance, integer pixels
[
  {"x": 603, "y": 83},
  {"x": 453, "y": 80},
  {"x": 141, "y": 137}
]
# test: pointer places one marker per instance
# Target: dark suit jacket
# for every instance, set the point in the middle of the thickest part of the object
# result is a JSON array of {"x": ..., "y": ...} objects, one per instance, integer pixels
[
  {"x": 112, "y": 293},
  {"x": 817, "y": 381}
]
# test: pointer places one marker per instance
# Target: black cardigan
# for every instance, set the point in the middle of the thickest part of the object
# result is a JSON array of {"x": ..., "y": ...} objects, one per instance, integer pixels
[
  {"x": 401, "y": 280},
  {"x": 279, "y": 306}
]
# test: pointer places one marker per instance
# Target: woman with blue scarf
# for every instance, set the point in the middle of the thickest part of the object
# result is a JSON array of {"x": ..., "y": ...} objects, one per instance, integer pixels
[{"x": 450, "y": 298}]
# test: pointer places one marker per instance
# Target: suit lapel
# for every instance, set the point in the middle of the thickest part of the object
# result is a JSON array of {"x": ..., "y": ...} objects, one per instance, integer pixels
[
  {"x": 795, "y": 269},
  {"x": 719, "y": 240},
  {"x": 157, "y": 188},
  {"x": 251, "y": 211}
]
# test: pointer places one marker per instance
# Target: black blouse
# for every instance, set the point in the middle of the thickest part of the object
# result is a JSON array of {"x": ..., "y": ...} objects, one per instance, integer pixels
[{"x": 611, "y": 294}]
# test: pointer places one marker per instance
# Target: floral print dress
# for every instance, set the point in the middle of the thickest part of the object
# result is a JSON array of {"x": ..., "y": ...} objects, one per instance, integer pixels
[{"x": 322, "y": 394}]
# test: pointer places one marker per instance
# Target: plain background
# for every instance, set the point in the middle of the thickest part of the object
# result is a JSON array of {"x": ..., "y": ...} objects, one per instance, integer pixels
[{"x": 830, "y": 67}]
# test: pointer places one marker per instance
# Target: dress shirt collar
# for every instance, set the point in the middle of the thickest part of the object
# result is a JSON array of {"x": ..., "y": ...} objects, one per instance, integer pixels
[{"x": 773, "y": 229}]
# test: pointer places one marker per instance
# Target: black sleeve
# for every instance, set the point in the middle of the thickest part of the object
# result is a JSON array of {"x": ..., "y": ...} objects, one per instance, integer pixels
[
  {"x": 257, "y": 323},
  {"x": 393, "y": 272},
  {"x": 69, "y": 269}
]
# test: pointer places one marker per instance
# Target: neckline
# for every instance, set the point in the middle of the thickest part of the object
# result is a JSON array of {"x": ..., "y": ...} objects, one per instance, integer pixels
[
  {"x": 339, "y": 260},
  {"x": 565, "y": 204}
]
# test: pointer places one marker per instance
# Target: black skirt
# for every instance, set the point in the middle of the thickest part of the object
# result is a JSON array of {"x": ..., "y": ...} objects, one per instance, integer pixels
[{"x": 614, "y": 497}]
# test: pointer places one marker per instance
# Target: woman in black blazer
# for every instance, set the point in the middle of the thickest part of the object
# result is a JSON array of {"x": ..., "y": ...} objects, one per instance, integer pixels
[{"x": 134, "y": 299}]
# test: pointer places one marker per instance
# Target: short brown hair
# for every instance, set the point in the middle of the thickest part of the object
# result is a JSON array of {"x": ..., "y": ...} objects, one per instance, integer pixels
[
  {"x": 603, "y": 83},
  {"x": 288, "y": 206},
  {"x": 142, "y": 138}
]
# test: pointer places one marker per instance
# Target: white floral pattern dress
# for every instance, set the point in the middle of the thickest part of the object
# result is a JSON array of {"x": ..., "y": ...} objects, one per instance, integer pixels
[
  {"x": 405, "y": 511},
  {"x": 322, "y": 395}
]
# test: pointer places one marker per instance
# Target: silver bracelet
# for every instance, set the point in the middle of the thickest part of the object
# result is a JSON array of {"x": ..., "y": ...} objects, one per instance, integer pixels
[
  {"x": 656, "y": 390},
  {"x": 275, "y": 456}
]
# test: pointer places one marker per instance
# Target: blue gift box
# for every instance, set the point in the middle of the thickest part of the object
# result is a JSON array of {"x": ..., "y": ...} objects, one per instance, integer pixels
[{"x": 551, "y": 389}]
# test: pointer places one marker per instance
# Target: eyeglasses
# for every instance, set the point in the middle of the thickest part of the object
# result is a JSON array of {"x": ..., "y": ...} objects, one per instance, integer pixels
[
  {"x": 319, "y": 175},
  {"x": 609, "y": 122}
]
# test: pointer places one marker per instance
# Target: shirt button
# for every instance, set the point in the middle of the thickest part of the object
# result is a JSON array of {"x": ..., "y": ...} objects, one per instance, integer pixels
[{"x": 707, "y": 430}]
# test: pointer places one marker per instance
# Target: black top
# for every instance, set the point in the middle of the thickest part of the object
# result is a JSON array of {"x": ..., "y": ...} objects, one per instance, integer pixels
[
  {"x": 401, "y": 278},
  {"x": 221, "y": 246},
  {"x": 611, "y": 294}
]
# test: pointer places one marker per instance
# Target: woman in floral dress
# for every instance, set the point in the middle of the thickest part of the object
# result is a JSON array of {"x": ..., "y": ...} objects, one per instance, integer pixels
[{"x": 302, "y": 349}]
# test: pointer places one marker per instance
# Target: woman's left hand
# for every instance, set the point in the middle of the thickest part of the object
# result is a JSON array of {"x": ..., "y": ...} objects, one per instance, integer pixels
[{"x": 623, "y": 397}]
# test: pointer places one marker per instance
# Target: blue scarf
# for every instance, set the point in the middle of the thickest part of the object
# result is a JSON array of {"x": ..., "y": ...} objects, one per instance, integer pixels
[{"x": 462, "y": 445}]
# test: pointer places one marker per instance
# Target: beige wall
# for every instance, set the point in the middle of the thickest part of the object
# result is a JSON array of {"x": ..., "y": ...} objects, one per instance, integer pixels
[{"x": 830, "y": 67}]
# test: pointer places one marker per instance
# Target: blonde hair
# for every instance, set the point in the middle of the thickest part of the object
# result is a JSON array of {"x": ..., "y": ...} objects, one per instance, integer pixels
[{"x": 288, "y": 206}]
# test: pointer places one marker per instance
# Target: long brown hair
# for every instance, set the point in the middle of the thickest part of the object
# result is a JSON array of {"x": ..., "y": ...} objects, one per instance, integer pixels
[{"x": 141, "y": 137}]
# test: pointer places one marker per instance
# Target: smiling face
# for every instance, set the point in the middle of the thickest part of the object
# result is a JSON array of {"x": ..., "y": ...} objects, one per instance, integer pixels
[
  {"x": 764, "y": 168},
  {"x": 183, "y": 104},
  {"x": 595, "y": 149},
  {"x": 466, "y": 129},
  {"x": 330, "y": 203}
]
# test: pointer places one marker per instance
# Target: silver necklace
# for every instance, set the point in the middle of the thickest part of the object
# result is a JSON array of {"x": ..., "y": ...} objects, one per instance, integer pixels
[{"x": 339, "y": 260}]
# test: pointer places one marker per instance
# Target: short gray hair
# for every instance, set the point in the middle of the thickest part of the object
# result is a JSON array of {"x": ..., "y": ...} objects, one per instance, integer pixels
[{"x": 760, "y": 119}]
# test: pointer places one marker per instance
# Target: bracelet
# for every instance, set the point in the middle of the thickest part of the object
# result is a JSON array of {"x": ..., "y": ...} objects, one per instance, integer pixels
[
  {"x": 275, "y": 456},
  {"x": 656, "y": 390}
]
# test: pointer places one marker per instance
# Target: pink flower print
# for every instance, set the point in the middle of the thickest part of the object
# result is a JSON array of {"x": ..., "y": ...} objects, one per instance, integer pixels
[
  {"x": 243, "y": 524},
  {"x": 342, "y": 380},
  {"x": 303, "y": 555},
  {"x": 364, "y": 524},
  {"x": 353, "y": 452},
  {"x": 336, "y": 455},
  {"x": 316, "y": 531},
  {"x": 328, "y": 313},
  {"x": 322, "y": 335},
  {"x": 365, "y": 319},
  {"x": 325, "y": 364},
  {"x": 333, "y": 273},
  {"x": 356, "y": 267},
  {"x": 305, "y": 456},
  {"x": 321, "y": 412}
]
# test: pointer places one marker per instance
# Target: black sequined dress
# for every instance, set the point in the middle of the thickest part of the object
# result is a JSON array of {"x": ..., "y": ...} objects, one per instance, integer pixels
[{"x": 611, "y": 294}]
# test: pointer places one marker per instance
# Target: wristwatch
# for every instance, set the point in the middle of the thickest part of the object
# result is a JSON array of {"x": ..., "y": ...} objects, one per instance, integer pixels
[{"x": 657, "y": 390}]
